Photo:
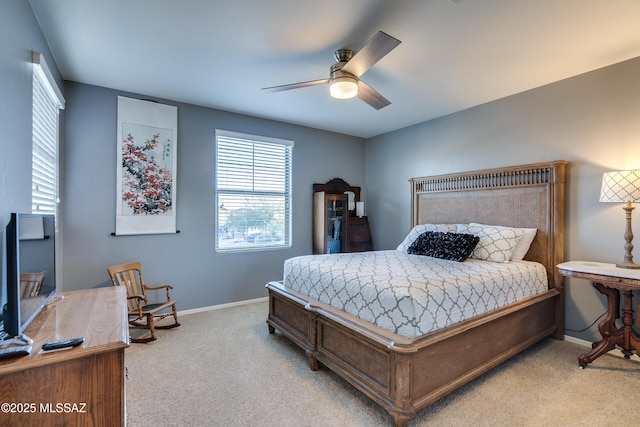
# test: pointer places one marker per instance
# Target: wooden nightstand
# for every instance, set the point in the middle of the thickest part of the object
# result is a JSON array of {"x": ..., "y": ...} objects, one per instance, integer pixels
[{"x": 609, "y": 280}]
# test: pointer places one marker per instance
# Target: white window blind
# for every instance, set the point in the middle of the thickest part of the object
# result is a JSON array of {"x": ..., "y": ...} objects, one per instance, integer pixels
[
  {"x": 47, "y": 102},
  {"x": 253, "y": 192}
]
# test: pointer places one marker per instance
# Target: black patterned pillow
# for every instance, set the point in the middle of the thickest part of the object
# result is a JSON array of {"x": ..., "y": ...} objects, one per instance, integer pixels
[{"x": 451, "y": 246}]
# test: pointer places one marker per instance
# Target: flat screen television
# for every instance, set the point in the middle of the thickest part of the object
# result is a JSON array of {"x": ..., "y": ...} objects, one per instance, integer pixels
[{"x": 31, "y": 270}]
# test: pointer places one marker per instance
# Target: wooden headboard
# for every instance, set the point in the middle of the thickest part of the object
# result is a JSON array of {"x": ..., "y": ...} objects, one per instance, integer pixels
[{"x": 531, "y": 196}]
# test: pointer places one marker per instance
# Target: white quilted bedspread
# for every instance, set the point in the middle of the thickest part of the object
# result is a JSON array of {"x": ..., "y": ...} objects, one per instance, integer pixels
[{"x": 412, "y": 295}]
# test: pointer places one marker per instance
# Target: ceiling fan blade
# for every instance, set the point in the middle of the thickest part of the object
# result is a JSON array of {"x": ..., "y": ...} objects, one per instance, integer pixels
[
  {"x": 296, "y": 85},
  {"x": 375, "y": 49},
  {"x": 371, "y": 97}
]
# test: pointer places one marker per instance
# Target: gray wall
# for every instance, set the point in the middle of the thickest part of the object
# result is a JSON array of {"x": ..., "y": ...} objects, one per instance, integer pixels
[
  {"x": 592, "y": 121},
  {"x": 20, "y": 34},
  {"x": 201, "y": 276}
]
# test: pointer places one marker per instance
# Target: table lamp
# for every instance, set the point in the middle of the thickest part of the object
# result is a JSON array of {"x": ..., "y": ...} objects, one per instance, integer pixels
[{"x": 623, "y": 186}]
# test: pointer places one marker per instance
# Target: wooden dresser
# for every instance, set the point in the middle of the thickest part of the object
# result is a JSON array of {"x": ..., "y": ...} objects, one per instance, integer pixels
[
  {"x": 82, "y": 386},
  {"x": 358, "y": 235}
]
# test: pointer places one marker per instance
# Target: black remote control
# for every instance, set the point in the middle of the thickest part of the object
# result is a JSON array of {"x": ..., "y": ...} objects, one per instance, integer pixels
[
  {"x": 57, "y": 345},
  {"x": 6, "y": 353}
]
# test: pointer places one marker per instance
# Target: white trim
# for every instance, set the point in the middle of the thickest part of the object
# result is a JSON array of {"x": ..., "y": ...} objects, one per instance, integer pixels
[
  {"x": 249, "y": 137},
  {"x": 575, "y": 340},
  {"x": 40, "y": 67},
  {"x": 220, "y": 306},
  {"x": 615, "y": 352}
]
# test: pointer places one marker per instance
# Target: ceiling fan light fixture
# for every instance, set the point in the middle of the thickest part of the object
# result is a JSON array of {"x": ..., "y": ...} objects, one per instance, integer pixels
[
  {"x": 347, "y": 84},
  {"x": 343, "y": 87}
]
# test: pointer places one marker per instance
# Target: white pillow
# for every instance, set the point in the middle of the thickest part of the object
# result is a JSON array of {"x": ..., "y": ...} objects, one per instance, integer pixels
[
  {"x": 522, "y": 247},
  {"x": 421, "y": 228},
  {"x": 496, "y": 242},
  {"x": 523, "y": 244}
]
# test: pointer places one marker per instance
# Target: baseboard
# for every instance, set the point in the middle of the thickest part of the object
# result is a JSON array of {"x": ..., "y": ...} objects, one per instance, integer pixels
[
  {"x": 575, "y": 340},
  {"x": 615, "y": 352},
  {"x": 219, "y": 306}
]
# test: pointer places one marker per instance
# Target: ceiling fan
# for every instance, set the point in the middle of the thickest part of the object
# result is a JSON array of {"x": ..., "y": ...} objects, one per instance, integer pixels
[{"x": 344, "y": 78}]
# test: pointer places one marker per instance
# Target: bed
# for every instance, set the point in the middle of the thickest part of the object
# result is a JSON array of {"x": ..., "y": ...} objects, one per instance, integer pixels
[{"x": 403, "y": 370}]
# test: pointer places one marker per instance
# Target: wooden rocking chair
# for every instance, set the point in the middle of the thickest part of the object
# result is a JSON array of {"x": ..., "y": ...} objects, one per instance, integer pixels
[{"x": 142, "y": 313}]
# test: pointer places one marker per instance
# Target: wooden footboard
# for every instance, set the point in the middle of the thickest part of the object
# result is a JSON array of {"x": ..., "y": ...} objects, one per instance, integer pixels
[{"x": 405, "y": 375}]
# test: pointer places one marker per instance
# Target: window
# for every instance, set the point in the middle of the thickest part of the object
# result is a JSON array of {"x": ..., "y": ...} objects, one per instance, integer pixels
[
  {"x": 253, "y": 192},
  {"x": 47, "y": 102}
]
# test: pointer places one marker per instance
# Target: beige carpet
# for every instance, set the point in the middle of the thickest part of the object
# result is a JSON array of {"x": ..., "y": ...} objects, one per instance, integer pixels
[{"x": 222, "y": 368}]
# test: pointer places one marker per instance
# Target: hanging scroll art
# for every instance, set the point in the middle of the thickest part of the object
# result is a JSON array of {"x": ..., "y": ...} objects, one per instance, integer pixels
[{"x": 146, "y": 172}]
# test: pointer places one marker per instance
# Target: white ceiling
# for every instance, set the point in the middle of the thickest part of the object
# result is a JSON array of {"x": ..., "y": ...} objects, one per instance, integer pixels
[{"x": 454, "y": 54}]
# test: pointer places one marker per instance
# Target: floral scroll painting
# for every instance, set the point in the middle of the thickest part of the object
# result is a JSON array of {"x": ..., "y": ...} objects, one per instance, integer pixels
[{"x": 146, "y": 172}]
